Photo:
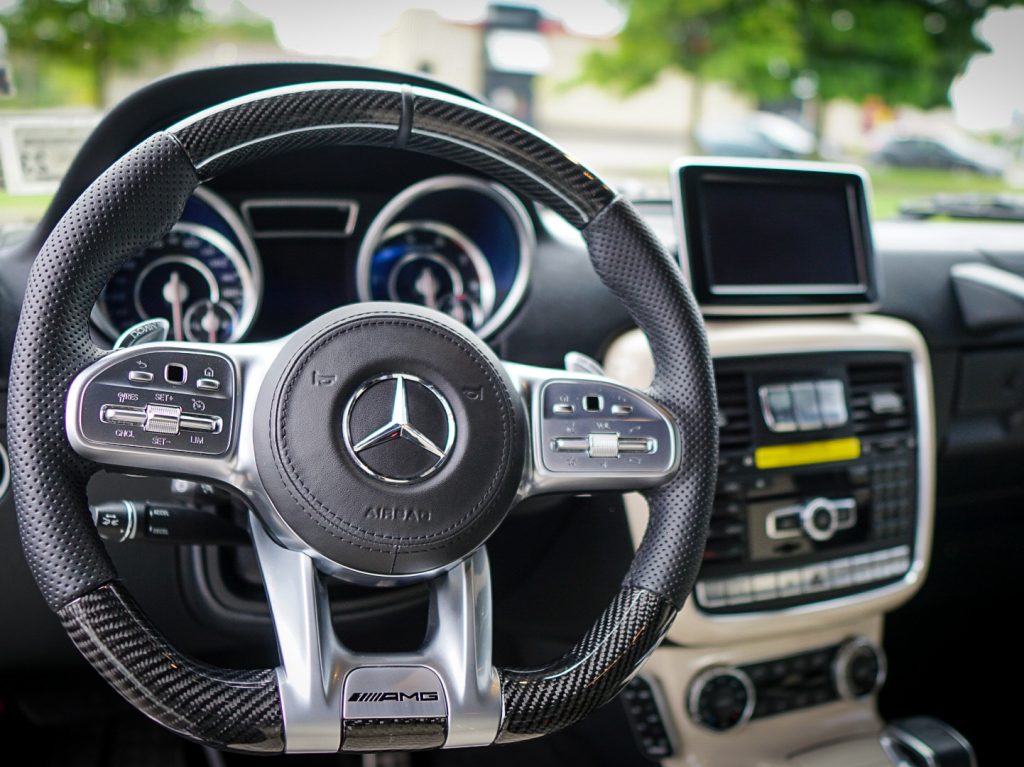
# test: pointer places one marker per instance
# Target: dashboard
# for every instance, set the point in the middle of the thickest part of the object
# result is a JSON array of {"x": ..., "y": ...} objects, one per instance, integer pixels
[
  {"x": 258, "y": 266},
  {"x": 804, "y": 558}
]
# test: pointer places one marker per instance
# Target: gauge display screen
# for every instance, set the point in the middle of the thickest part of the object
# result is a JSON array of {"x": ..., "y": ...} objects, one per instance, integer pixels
[
  {"x": 195, "y": 277},
  {"x": 434, "y": 265},
  {"x": 456, "y": 244}
]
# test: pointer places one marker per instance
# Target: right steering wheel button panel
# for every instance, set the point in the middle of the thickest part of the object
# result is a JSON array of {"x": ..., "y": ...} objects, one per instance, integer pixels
[{"x": 596, "y": 426}]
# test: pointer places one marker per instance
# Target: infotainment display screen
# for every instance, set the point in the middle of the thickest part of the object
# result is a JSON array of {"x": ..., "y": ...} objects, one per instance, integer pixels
[{"x": 762, "y": 237}]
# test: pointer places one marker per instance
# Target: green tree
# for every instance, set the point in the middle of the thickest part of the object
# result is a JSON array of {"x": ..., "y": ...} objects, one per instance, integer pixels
[
  {"x": 706, "y": 39},
  {"x": 902, "y": 51},
  {"x": 99, "y": 36}
]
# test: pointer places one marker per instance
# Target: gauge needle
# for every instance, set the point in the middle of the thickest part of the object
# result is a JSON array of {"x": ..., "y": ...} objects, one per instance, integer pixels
[
  {"x": 210, "y": 324},
  {"x": 427, "y": 286},
  {"x": 173, "y": 296}
]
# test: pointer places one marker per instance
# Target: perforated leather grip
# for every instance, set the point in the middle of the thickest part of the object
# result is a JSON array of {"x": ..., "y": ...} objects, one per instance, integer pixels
[{"x": 139, "y": 198}]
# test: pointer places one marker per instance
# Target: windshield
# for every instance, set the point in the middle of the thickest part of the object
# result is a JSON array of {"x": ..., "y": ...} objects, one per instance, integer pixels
[{"x": 926, "y": 95}]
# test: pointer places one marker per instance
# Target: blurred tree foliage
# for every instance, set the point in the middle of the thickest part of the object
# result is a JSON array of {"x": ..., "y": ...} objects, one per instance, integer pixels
[
  {"x": 96, "y": 37},
  {"x": 901, "y": 51}
]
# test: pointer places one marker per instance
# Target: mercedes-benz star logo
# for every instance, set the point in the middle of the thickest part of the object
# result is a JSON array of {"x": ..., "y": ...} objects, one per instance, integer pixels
[{"x": 397, "y": 450}]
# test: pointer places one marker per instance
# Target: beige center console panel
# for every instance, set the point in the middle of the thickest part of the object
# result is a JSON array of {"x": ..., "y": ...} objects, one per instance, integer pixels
[{"x": 822, "y": 523}]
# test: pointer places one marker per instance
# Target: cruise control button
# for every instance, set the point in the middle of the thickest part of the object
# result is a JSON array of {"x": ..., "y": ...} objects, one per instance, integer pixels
[
  {"x": 207, "y": 384},
  {"x": 637, "y": 445},
  {"x": 126, "y": 416},
  {"x": 162, "y": 419},
  {"x": 604, "y": 445},
  {"x": 207, "y": 423},
  {"x": 571, "y": 444}
]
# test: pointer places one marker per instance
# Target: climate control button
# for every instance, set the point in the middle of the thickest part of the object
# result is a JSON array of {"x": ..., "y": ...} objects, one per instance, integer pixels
[
  {"x": 859, "y": 668},
  {"x": 721, "y": 698}
]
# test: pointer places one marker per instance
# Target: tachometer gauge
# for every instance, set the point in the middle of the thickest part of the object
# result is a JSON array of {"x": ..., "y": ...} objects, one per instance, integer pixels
[
  {"x": 194, "y": 277},
  {"x": 458, "y": 244},
  {"x": 434, "y": 265}
]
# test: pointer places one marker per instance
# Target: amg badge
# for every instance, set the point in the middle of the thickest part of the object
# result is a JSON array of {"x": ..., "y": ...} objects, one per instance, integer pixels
[{"x": 378, "y": 697}]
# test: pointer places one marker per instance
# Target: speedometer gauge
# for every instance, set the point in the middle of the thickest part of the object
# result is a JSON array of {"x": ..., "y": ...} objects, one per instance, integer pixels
[
  {"x": 437, "y": 266},
  {"x": 195, "y": 277}
]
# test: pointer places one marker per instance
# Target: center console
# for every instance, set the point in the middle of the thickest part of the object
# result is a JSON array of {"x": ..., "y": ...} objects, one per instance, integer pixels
[
  {"x": 822, "y": 523},
  {"x": 818, "y": 481},
  {"x": 822, "y": 519}
]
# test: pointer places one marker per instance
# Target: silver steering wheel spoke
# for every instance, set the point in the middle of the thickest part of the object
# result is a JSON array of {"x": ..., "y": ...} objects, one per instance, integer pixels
[
  {"x": 589, "y": 433},
  {"x": 447, "y": 693}
]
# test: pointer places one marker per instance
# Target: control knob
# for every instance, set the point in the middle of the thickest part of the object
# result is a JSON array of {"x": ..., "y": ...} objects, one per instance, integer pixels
[
  {"x": 859, "y": 668},
  {"x": 721, "y": 698}
]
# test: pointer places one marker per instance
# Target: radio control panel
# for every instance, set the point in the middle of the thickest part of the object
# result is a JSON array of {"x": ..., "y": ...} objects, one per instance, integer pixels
[{"x": 818, "y": 486}]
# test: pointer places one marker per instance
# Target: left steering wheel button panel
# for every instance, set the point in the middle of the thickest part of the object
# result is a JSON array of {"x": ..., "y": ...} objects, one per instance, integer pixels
[{"x": 159, "y": 414}]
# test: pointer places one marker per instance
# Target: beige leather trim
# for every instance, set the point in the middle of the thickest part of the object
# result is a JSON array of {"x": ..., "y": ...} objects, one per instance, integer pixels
[
  {"x": 629, "y": 360},
  {"x": 842, "y": 729}
]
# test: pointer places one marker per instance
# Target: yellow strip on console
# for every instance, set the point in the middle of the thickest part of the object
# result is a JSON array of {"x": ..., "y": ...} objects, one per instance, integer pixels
[{"x": 827, "y": 451}]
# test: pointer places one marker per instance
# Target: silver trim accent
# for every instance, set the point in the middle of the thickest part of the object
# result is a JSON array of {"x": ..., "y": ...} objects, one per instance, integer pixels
[
  {"x": 701, "y": 681},
  {"x": 315, "y": 665},
  {"x": 5, "y": 471},
  {"x": 351, "y": 206},
  {"x": 842, "y": 661},
  {"x": 247, "y": 263},
  {"x": 807, "y": 518},
  {"x": 356, "y": 85},
  {"x": 986, "y": 275},
  {"x": 505, "y": 199},
  {"x": 530, "y": 381},
  {"x": 894, "y": 735},
  {"x": 800, "y": 165},
  {"x": 398, "y": 427}
]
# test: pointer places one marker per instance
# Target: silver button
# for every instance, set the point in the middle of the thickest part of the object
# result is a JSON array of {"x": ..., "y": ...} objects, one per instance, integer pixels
[
  {"x": 162, "y": 419},
  {"x": 208, "y": 423},
  {"x": 737, "y": 590},
  {"x": 128, "y": 416},
  {"x": 604, "y": 445},
  {"x": 140, "y": 376},
  {"x": 764, "y": 586},
  {"x": 805, "y": 406},
  {"x": 571, "y": 444},
  {"x": 777, "y": 407},
  {"x": 562, "y": 408},
  {"x": 832, "y": 398},
  {"x": 711, "y": 593},
  {"x": 207, "y": 384},
  {"x": 815, "y": 578},
  {"x": 637, "y": 445},
  {"x": 789, "y": 583},
  {"x": 622, "y": 409}
]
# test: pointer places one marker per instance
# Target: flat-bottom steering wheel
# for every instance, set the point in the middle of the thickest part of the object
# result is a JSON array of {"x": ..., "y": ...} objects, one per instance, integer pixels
[{"x": 381, "y": 444}]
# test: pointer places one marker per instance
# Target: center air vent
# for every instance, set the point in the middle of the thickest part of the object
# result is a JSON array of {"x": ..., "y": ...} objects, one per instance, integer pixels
[
  {"x": 734, "y": 422},
  {"x": 880, "y": 397}
]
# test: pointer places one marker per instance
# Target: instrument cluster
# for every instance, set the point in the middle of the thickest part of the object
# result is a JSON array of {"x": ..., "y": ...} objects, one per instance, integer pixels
[{"x": 458, "y": 244}]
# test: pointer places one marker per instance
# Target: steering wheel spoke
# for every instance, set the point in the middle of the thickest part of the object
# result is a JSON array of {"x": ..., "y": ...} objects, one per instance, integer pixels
[
  {"x": 184, "y": 409},
  {"x": 447, "y": 693},
  {"x": 590, "y": 433}
]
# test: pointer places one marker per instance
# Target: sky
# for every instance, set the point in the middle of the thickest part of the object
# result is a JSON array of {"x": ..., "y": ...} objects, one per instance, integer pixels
[
  {"x": 988, "y": 97},
  {"x": 991, "y": 92}
]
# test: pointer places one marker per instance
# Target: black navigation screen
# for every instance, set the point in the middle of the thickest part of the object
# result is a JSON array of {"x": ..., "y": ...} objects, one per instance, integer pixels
[{"x": 767, "y": 235}]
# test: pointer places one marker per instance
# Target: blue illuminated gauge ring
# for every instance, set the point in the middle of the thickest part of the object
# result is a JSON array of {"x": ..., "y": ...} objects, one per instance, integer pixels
[{"x": 507, "y": 203}]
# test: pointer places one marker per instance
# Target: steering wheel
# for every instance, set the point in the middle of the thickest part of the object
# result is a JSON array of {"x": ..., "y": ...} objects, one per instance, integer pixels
[{"x": 381, "y": 444}]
